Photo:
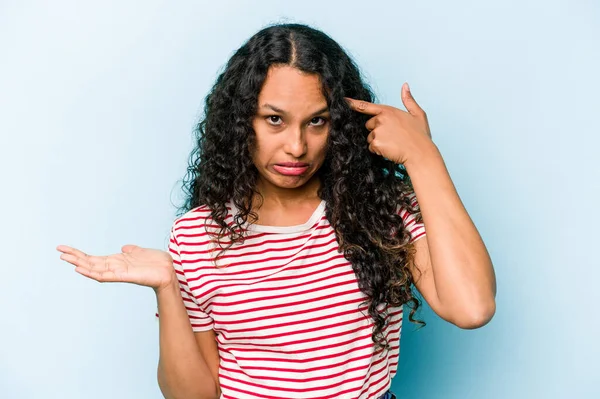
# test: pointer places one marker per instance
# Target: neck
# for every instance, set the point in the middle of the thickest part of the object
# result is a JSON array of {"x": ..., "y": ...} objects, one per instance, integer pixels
[{"x": 286, "y": 197}]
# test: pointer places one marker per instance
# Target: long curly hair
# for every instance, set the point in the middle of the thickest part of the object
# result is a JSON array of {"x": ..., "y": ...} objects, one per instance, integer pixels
[{"x": 362, "y": 190}]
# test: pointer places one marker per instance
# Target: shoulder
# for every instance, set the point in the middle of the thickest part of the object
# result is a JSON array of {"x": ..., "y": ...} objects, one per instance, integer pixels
[
  {"x": 411, "y": 216},
  {"x": 198, "y": 217},
  {"x": 405, "y": 211},
  {"x": 192, "y": 217},
  {"x": 198, "y": 220}
]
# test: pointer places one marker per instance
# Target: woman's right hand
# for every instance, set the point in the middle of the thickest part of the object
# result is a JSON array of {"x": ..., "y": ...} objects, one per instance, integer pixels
[{"x": 137, "y": 265}]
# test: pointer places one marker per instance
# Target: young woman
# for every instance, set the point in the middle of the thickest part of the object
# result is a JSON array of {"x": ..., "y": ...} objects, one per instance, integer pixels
[{"x": 303, "y": 233}]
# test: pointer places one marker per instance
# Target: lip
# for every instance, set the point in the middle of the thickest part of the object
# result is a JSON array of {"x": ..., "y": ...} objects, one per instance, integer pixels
[
  {"x": 291, "y": 168},
  {"x": 292, "y": 164}
]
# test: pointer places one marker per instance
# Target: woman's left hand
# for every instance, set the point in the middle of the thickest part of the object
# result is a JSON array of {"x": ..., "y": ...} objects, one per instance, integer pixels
[{"x": 397, "y": 135}]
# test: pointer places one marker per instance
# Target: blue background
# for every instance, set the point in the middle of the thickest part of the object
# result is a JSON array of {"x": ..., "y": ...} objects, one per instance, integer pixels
[{"x": 97, "y": 104}]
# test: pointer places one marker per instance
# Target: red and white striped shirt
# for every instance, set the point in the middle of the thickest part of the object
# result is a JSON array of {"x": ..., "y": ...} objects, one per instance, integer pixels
[{"x": 286, "y": 309}]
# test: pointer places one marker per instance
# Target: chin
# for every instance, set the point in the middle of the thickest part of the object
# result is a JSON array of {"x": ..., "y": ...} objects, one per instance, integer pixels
[
  {"x": 291, "y": 181},
  {"x": 285, "y": 182}
]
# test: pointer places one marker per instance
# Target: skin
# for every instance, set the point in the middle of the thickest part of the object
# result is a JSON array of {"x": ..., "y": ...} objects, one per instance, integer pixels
[
  {"x": 291, "y": 125},
  {"x": 457, "y": 278}
]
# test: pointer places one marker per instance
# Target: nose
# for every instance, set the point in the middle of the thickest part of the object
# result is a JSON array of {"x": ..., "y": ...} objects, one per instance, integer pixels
[{"x": 295, "y": 144}]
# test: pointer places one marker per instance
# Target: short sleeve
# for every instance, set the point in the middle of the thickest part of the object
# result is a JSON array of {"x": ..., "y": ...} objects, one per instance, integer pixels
[
  {"x": 416, "y": 229},
  {"x": 199, "y": 320}
]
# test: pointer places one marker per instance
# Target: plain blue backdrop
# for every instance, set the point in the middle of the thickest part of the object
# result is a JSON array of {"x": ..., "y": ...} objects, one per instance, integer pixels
[{"x": 97, "y": 105}]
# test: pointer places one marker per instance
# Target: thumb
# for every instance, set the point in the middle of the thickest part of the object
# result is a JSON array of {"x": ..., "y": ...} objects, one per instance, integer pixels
[
  {"x": 409, "y": 101},
  {"x": 126, "y": 249}
]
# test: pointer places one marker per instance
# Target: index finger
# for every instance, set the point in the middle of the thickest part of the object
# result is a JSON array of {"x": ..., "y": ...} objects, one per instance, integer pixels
[{"x": 364, "y": 107}]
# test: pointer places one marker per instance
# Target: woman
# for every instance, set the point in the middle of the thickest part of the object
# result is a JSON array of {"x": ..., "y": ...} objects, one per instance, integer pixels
[{"x": 301, "y": 237}]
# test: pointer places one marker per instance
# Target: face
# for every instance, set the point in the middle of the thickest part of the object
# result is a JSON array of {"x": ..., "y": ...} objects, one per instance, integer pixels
[{"x": 291, "y": 127}]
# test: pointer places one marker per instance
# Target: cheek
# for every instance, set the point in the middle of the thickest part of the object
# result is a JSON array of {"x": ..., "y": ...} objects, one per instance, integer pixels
[
  {"x": 262, "y": 149},
  {"x": 256, "y": 143},
  {"x": 321, "y": 147}
]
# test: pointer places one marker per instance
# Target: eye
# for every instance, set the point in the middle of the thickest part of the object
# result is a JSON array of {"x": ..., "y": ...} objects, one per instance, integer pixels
[
  {"x": 274, "y": 120},
  {"x": 317, "y": 119}
]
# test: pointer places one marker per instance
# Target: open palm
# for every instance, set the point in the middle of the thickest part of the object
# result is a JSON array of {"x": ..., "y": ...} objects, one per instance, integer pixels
[{"x": 137, "y": 265}]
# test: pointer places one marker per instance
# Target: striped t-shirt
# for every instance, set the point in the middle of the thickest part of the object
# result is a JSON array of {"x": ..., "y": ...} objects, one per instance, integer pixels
[{"x": 286, "y": 309}]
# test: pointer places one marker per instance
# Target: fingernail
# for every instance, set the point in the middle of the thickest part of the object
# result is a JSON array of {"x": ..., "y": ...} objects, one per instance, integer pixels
[{"x": 407, "y": 87}]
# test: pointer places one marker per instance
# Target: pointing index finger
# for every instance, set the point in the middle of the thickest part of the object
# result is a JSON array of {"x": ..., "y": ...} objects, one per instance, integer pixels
[{"x": 363, "y": 107}]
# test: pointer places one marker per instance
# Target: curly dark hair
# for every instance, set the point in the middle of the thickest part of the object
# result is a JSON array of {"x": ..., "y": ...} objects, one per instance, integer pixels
[{"x": 362, "y": 190}]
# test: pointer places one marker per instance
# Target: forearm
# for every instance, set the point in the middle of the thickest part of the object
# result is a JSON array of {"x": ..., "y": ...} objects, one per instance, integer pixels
[
  {"x": 182, "y": 371},
  {"x": 462, "y": 268}
]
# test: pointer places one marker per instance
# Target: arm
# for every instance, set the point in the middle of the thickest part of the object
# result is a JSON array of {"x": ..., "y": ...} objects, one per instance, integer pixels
[
  {"x": 187, "y": 367},
  {"x": 457, "y": 279}
]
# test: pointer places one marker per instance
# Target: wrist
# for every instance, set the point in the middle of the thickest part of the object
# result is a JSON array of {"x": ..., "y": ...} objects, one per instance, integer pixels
[
  {"x": 170, "y": 283},
  {"x": 427, "y": 154}
]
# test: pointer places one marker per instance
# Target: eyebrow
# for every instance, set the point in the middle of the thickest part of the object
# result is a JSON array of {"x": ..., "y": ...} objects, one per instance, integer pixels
[{"x": 274, "y": 108}]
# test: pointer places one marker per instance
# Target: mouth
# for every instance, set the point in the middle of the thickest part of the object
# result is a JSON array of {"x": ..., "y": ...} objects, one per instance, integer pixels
[{"x": 291, "y": 168}]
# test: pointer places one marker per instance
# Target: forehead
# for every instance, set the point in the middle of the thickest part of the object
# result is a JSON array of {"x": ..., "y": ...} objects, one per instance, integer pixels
[{"x": 288, "y": 86}]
